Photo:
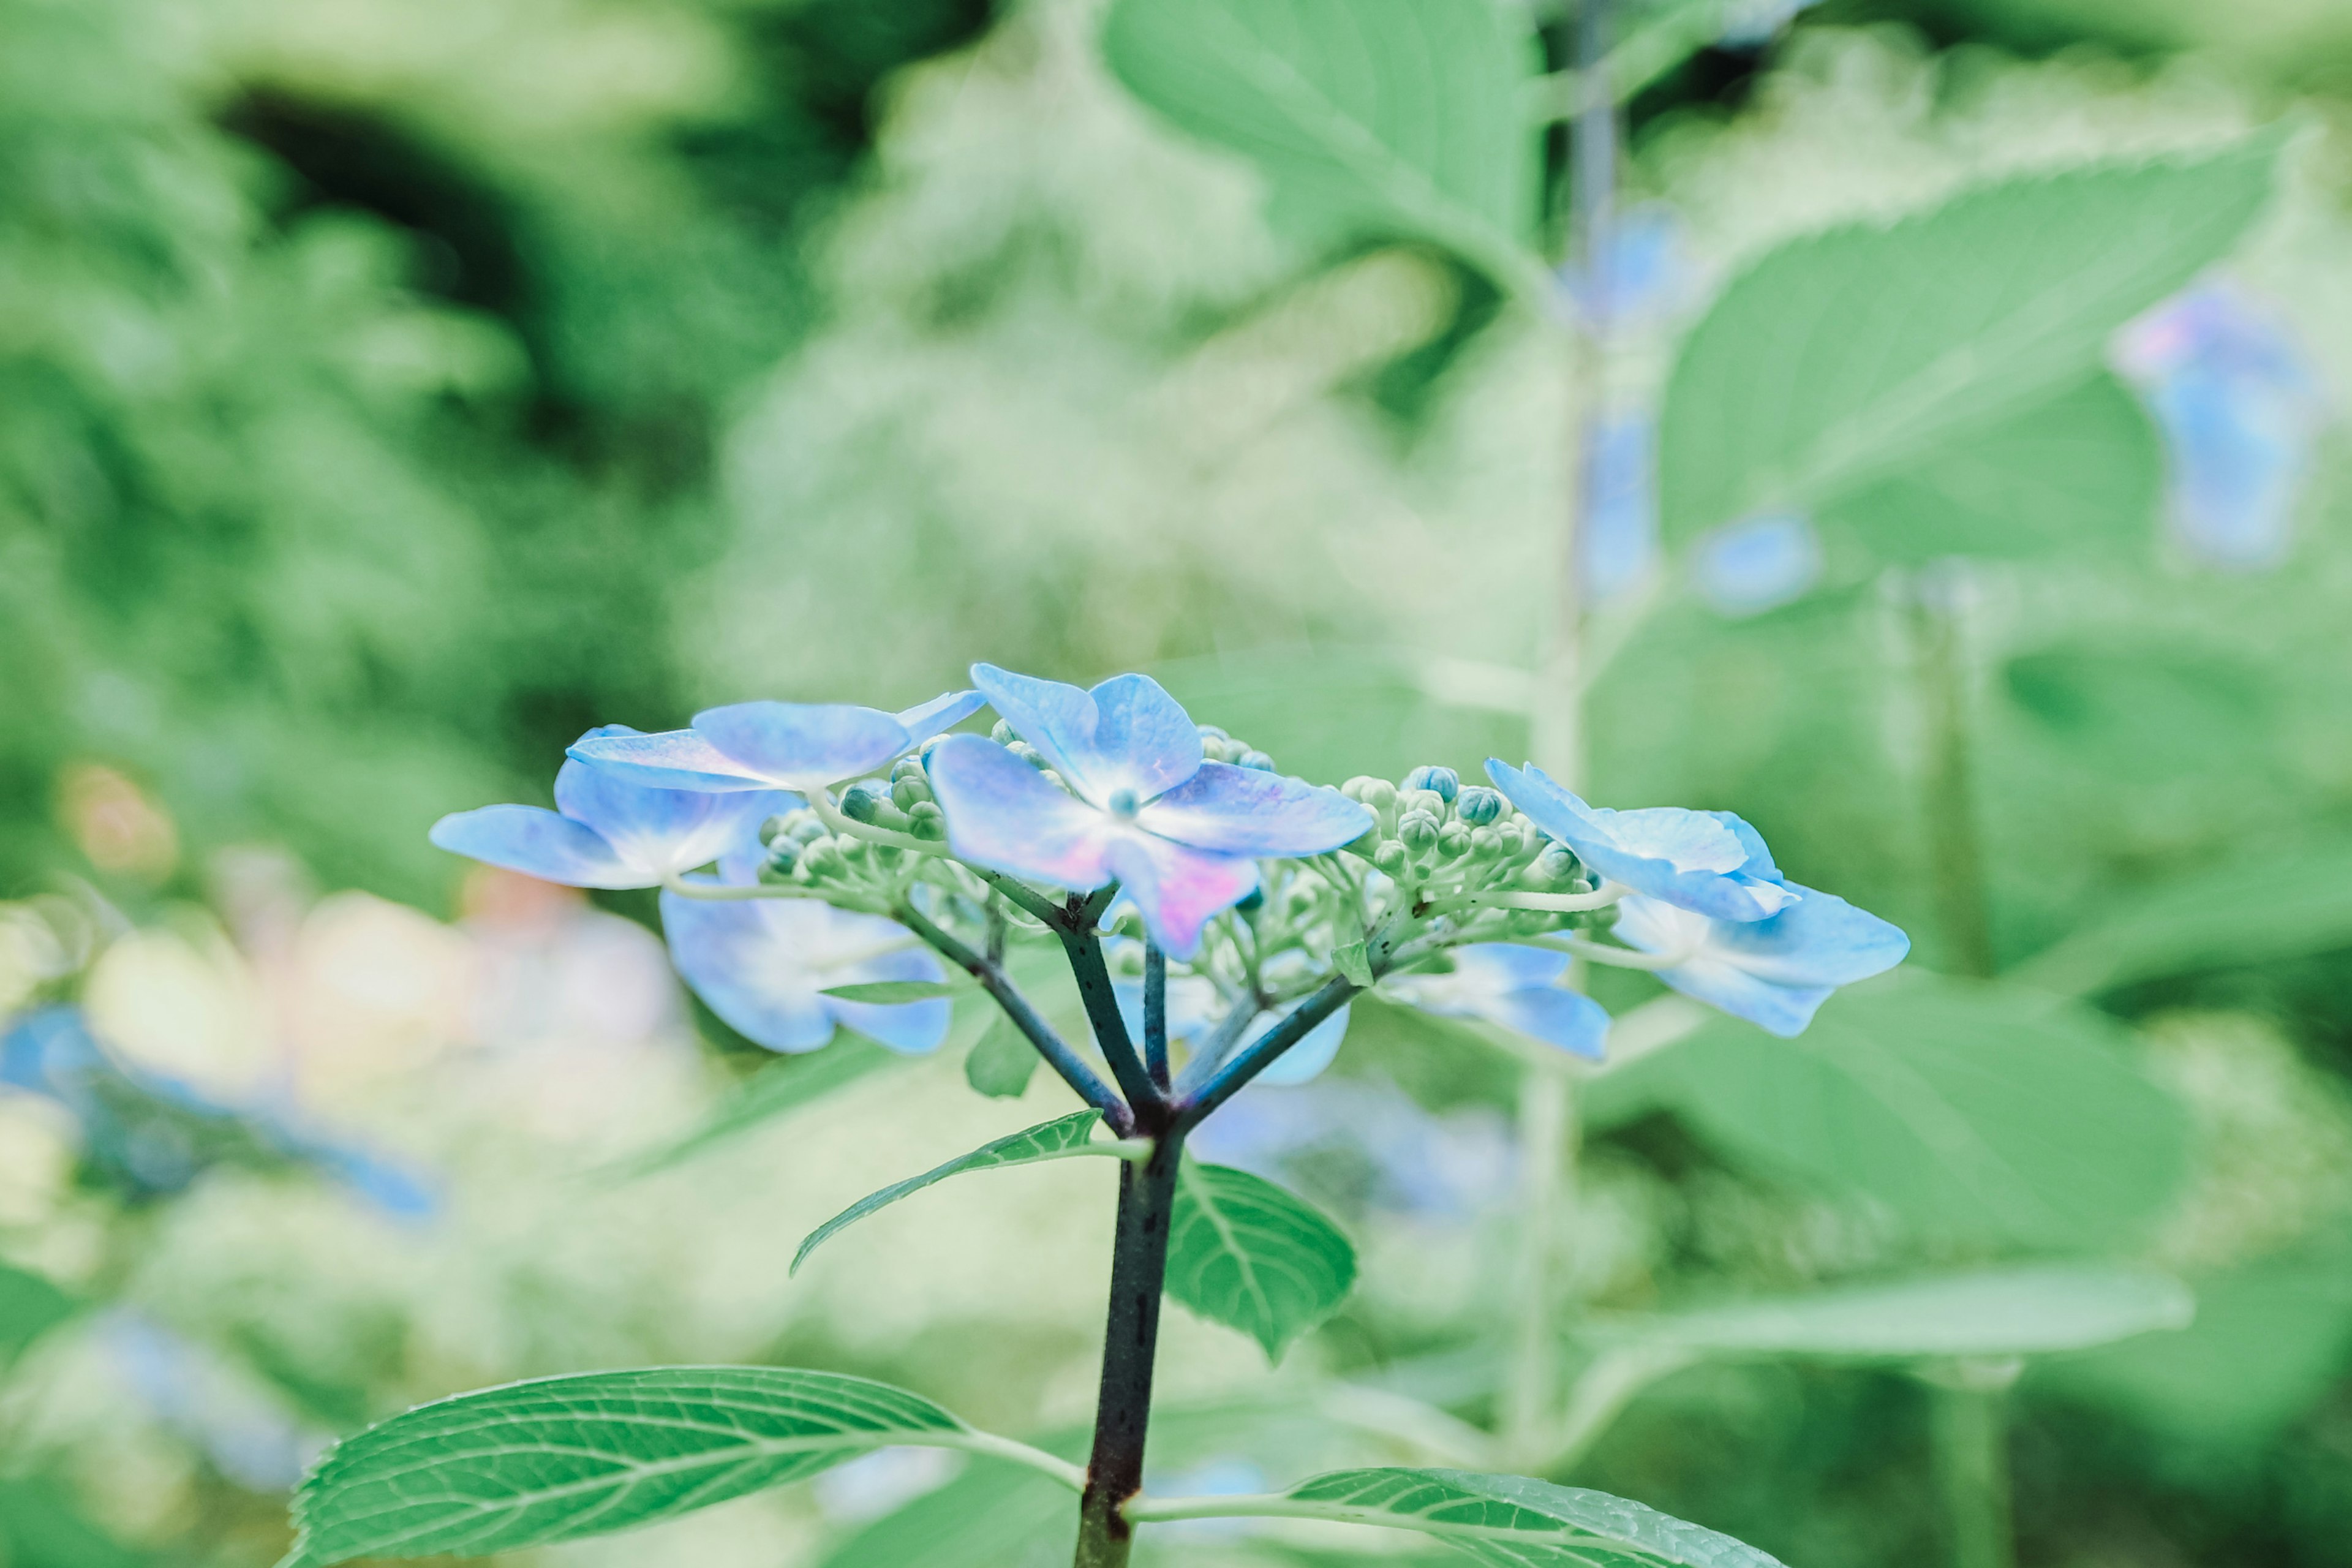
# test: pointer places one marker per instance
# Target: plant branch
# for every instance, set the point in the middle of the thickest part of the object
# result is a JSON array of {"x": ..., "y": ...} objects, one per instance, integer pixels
[
  {"x": 1155, "y": 1014},
  {"x": 1139, "y": 1271},
  {"x": 989, "y": 1443},
  {"x": 1084, "y": 950}
]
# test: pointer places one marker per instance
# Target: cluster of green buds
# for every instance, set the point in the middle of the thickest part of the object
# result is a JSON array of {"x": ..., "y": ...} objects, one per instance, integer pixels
[{"x": 1435, "y": 835}]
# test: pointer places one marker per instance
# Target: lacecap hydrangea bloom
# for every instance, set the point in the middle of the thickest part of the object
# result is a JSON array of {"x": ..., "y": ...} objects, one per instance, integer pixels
[{"x": 798, "y": 746}]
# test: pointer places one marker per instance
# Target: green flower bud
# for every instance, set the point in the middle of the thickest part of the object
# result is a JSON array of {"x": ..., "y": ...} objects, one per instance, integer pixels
[
  {"x": 1444, "y": 781},
  {"x": 1211, "y": 732},
  {"x": 822, "y": 860},
  {"x": 910, "y": 766},
  {"x": 856, "y": 851},
  {"x": 1252, "y": 901},
  {"x": 804, "y": 826},
  {"x": 1257, "y": 761},
  {"x": 1027, "y": 753},
  {"x": 1529, "y": 923},
  {"x": 1380, "y": 794},
  {"x": 1391, "y": 857},
  {"x": 1555, "y": 867},
  {"x": 1479, "y": 806},
  {"x": 783, "y": 854},
  {"x": 911, "y": 791},
  {"x": 1454, "y": 842},
  {"x": 1001, "y": 733},
  {"x": 865, "y": 801},
  {"x": 1365, "y": 843},
  {"x": 775, "y": 827},
  {"x": 1417, "y": 831},
  {"x": 1355, "y": 787},
  {"x": 1422, "y": 800},
  {"x": 926, "y": 821},
  {"x": 1484, "y": 842}
]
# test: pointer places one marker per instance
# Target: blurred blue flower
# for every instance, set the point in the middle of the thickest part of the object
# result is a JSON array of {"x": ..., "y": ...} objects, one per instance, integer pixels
[
  {"x": 1774, "y": 973},
  {"x": 607, "y": 831},
  {"x": 1646, "y": 272},
  {"x": 250, "y": 1436},
  {"x": 1756, "y": 564},
  {"x": 1619, "y": 537},
  {"x": 1513, "y": 985},
  {"x": 2239, "y": 408},
  {"x": 1404, "y": 1158},
  {"x": 1194, "y": 1011},
  {"x": 1180, "y": 835},
  {"x": 1710, "y": 861},
  {"x": 800, "y": 746}
]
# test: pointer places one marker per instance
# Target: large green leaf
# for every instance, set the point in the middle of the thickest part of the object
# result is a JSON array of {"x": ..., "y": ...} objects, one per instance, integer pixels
[
  {"x": 1977, "y": 1111},
  {"x": 1501, "y": 1519},
  {"x": 1366, "y": 117},
  {"x": 29, "y": 1306},
  {"x": 562, "y": 1457},
  {"x": 2032, "y": 1310},
  {"x": 1243, "y": 1252},
  {"x": 2081, "y": 470},
  {"x": 1063, "y": 1138},
  {"x": 1850, "y": 357}
]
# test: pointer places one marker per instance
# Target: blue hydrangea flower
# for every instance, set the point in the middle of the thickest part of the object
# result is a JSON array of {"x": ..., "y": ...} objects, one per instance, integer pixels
[
  {"x": 1515, "y": 987},
  {"x": 1618, "y": 541},
  {"x": 1180, "y": 835},
  {"x": 1774, "y": 973},
  {"x": 607, "y": 831},
  {"x": 1758, "y": 564},
  {"x": 764, "y": 965},
  {"x": 800, "y": 746},
  {"x": 1708, "y": 861}
]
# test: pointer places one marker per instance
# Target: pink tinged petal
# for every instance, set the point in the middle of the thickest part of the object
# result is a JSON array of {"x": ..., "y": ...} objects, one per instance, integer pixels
[
  {"x": 538, "y": 842},
  {"x": 1242, "y": 811},
  {"x": 1176, "y": 888},
  {"x": 803, "y": 745},
  {"x": 946, "y": 711},
  {"x": 676, "y": 759},
  {"x": 1308, "y": 1058},
  {"x": 1126, "y": 734},
  {"x": 1003, "y": 815},
  {"x": 740, "y": 959}
]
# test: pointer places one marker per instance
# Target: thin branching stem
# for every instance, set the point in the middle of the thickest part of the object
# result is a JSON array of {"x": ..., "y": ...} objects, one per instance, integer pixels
[
  {"x": 1155, "y": 1014},
  {"x": 1084, "y": 950}
]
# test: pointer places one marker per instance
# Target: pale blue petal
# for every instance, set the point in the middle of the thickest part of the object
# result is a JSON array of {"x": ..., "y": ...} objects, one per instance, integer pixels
[
  {"x": 1175, "y": 888},
  {"x": 805, "y": 745},
  {"x": 1782, "y": 1010},
  {"x": 926, "y": 720},
  {"x": 1700, "y": 860},
  {"x": 657, "y": 830},
  {"x": 1004, "y": 814},
  {"x": 1820, "y": 939},
  {"x": 1758, "y": 564},
  {"x": 1309, "y": 1057},
  {"x": 1569, "y": 1019},
  {"x": 1244, "y": 811},
  {"x": 538, "y": 842},
  {"x": 914, "y": 1029},
  {"x": 676, "y": 759},
  {"x": 739, "y": 957},
  {"x": 1508, "y": 965},
  {"x": 1126, "y": 734}
]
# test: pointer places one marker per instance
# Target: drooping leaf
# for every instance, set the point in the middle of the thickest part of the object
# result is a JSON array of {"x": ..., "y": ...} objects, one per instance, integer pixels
[
  {"x": 1972, "y": 1111},
  {"x": 2032, "y": 1310},
  {"x": 2080, "y": 470},
  {"x": 29, "y": 1306},
  {"x": 1848, "y": 357},
  {"x": 1002, "y": 1061},
  {"x": 1366, "y": 117},
  {"x": 1511, "y": 1521},
  {"x": 777, "y": 1090},
  {"x": 1060, "y": 1139},
  {"x": 887, "y": 992},
  {"x": 562, "y": 1457},
  {"x": 1245, "y": 1252}
]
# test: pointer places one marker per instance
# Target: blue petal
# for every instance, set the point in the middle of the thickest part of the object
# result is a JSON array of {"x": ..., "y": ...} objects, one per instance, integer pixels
[
  {"x": 538, "y": 842},
  {"x": 1309, "y": 1057},
  {"x": 1782, "y": 1010},
  {"x": 1758, "y": 564},
  {"x": 1126, "y": 734},
  {"x": 659, "y": 830},
  {"x": 1508, "y": 965},
  {"x": 1004, "y": 814},
  {"x": 1569, "y": 1019},
  {"x": 914, "y": 1029},
  {"x": 1820, "y": 939},
  {"x": 676, "y": 759},
  {"x": 803, "y": 745},
  {"x": 1175, "y": 888},
  {"x": 739, "y": 959},
  {"x": 1708, "y": 861},
  {"x": 1244, "y": 811},
  {"x": 946, "y": 711}
]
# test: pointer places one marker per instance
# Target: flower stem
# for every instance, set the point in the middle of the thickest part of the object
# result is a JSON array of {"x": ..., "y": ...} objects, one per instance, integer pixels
[
  {"x": 1547, "y": 1171},
  {"x": 1971, "y": 1444},
  {"x": 1138, "y": 1269},
  {"x": 1955, "y": 846},
  {"x": 1084, "y": 950},
  {"x": 1155, "y": 1014}
]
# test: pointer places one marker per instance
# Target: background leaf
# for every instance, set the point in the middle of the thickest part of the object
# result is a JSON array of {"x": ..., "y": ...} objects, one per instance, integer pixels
[
  {"x": 779, "y": 1089},
  {"x": 1853, "y": 356},
  {"x": 1367, "y": 117},
  {"x": 1002, "y": 1061},
  {"x": 1245, "y": 1252},
  {"x": 888, "y": 992},
  {"x": 1056, "y": 1140},
  {"x": 560, "y": 1458},
  {"x": 29, "y": 1306}
]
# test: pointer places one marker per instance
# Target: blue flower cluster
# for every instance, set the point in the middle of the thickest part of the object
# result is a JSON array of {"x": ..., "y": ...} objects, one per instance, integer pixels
[{"x": 849, "y": 844}]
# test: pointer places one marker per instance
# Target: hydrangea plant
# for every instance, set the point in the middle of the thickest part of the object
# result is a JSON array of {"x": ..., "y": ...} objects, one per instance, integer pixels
[{"x": 828, "y": 867}]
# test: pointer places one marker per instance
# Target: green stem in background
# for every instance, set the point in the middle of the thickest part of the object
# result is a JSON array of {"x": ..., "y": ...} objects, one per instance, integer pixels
[
  {"x": 1971, "y": 1424},
  {"x": 1547, "y": 1189},
  {"x": 1138, "y": 1270},
  {"x": 1956, "y": 864}
]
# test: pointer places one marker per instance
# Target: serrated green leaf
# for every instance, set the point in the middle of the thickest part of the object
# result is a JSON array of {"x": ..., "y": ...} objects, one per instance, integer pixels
[
  {"x": 29, "y": 1306},
  {"x": 1511, "y": 1521},
  {"x": 1060, "y": 1139},
  {"x": 1002, "y": 1061},
  {"x": 2032, "y": 1310},
  {"x": 1847, "y": 358},
  {"x": 887, "y": 992},
  {"x": 1245, "y": 1252},
  {"x": 777, "y": 1090},
  {"x": 1354, "y": 962},
  {"x": 1366, "y": 117},
  {"x": 1981, "y": 1112},
  {"x": 2081, "y": 470},
  {"x": 562, "y": 1457}
]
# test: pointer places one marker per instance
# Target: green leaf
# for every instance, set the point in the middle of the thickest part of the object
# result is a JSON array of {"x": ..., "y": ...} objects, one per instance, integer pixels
[
  {"x": 1243, "y": 1252},
  {"x": 1852, "y": 357},
  {"x": 2082, "y": 469},
  {"x": 29, "y": 1306},
  {"x": 1366, "y": 117},
  {"x": 1002, "y": 1061},
  {"x": 885, "y": 992},
  {"x": 2034, "y": 1310},
  {"x": 777, "y": 1090},
  {"x": 1354, "y": 962},
  {"x": 41, "y": 1526},
  {"x": 1511, "y": 1521},
  {"x": 562, "y": 1457},
  {"x": 2245, "y": 912},
  {"x": 1060, "y": 1139},
  {"x": 1979, "y": 1112}
]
